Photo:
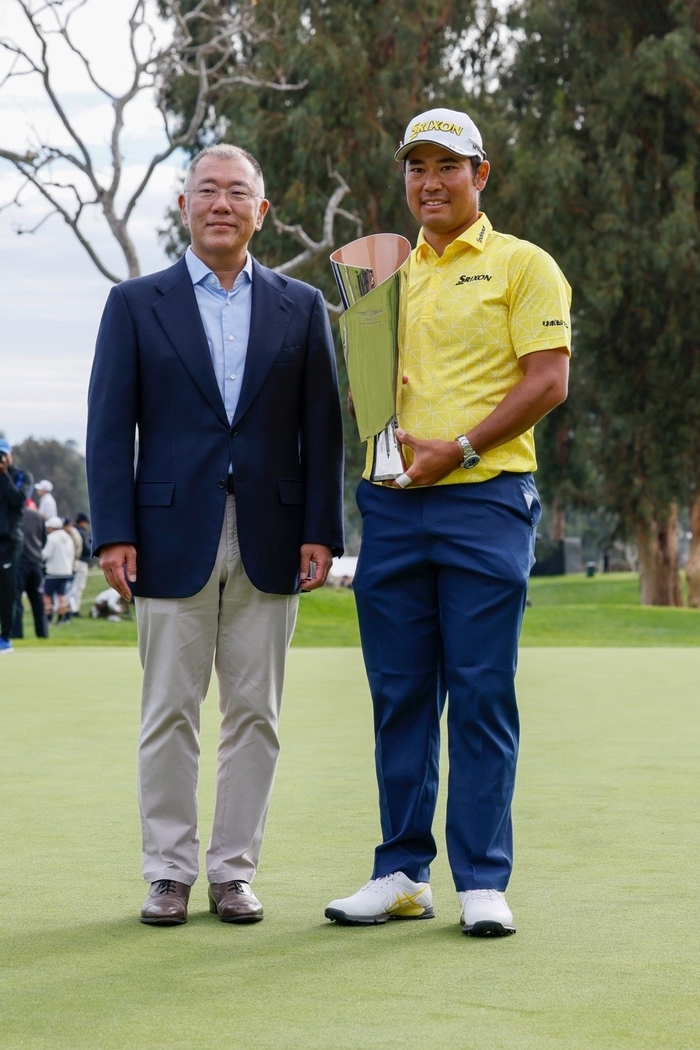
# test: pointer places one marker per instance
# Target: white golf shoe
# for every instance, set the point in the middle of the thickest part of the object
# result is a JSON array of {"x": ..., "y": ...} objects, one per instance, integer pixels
[
  {"x": 485, "y": 914},
  {"x": 390, "y": 897}
]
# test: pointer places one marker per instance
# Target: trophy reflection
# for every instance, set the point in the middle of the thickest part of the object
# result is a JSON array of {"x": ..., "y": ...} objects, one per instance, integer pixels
[{"x": 371, "y": 278}]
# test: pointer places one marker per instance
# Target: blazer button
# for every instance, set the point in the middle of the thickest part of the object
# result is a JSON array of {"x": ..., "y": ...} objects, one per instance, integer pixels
[{"x": 222, "y": 484}]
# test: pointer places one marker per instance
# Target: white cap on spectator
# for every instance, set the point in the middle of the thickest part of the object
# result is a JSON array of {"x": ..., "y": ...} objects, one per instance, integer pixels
[
  {"x": 45, "y": 486},
  {"x": 54, "y": 523}
]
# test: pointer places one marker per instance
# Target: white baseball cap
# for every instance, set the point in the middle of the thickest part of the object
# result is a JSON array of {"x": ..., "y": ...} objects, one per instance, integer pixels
[
  {"x": 54, "y": 523},
  {"x": 47, "y": 486},
  {"x": 456, "y": 131}
]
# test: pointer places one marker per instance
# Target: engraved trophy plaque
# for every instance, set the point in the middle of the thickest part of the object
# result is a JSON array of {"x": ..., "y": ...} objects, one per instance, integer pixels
[{"x": 371, "y": 275}]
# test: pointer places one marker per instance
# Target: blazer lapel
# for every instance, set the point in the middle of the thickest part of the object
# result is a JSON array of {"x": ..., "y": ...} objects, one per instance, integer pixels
[
  {"x": 271, "y": 313},
  {"x": 178, "y": 314}
]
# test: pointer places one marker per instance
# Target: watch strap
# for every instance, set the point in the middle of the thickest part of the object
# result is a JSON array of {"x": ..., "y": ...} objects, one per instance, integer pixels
[{"x": 470, "y": 458}]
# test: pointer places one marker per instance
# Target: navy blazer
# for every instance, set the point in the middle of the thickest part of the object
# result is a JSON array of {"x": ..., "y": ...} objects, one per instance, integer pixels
[{"x": 153, "y": 373}]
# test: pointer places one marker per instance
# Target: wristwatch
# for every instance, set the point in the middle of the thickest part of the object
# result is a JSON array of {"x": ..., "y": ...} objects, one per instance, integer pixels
[{"x": 471, "y": 458}]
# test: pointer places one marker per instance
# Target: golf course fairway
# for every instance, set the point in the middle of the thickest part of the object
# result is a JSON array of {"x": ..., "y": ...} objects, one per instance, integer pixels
[{"x": 607, "y": 832}]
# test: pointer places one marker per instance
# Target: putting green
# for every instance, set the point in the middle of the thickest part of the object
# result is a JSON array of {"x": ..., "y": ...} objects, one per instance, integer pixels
[{"x": 607, "y": 841}]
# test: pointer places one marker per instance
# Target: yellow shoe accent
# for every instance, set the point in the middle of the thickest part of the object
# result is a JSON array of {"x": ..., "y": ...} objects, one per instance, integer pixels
[
  {"x": 405, "y": 904},
  {"x": 392, "y": 896}
]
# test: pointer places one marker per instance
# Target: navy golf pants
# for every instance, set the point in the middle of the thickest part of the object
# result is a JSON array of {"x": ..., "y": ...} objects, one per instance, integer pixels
[{"x": 441, "y": 585}]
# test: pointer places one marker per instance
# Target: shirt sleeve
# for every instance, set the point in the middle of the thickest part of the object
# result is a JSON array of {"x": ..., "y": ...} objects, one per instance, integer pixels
[{"x": 540, "y": 300}]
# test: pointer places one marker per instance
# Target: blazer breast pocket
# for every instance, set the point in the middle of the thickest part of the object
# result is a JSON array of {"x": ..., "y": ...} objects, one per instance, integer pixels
[
  {"x": 154, "y": 493},
  {"x": 286, "y": 355},
  {"x": 291, "y": 492}
]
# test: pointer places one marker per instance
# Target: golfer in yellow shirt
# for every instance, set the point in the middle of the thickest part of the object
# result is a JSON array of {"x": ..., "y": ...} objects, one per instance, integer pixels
[{"x": 447, "y": 549}]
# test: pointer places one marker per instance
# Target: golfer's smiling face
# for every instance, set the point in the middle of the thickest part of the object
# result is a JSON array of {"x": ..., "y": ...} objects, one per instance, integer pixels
[{"x": 442, "y": 191}]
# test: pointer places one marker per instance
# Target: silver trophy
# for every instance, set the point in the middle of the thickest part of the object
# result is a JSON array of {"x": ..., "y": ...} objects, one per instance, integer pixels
[{"x": 371, "y": 275}]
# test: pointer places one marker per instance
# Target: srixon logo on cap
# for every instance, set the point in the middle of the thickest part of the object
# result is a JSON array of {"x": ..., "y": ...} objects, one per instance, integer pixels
[{"x": 435, "y": 125}]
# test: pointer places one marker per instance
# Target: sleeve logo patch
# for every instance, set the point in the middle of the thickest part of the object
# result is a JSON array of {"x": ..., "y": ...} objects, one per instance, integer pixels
[
  {"x": 467, "y": 279},
  {"x": 555, "y": 324}
]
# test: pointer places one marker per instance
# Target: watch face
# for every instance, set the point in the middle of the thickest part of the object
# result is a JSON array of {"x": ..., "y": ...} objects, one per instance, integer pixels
[{"x": 471, "y": 461}]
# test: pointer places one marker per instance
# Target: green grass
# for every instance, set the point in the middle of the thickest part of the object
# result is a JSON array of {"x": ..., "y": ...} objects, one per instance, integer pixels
[
  {"x": 603, "y": 611},
  {"x": 566, "y": 610},
  {"x": 607, "y": 839}
]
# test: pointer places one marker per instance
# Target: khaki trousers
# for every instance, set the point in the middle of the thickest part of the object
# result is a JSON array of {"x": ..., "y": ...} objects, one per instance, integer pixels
[{"x": 247, "y": 633}]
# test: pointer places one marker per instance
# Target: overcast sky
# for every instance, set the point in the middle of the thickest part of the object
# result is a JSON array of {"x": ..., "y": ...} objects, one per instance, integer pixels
[{"x": 51, "y": 294}]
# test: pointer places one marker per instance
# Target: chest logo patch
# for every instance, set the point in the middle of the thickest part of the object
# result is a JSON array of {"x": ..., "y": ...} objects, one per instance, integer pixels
[{"x": 467, "y": 278}]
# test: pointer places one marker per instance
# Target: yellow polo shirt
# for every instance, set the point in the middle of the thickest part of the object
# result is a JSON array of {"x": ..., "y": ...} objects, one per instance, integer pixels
[{"x": 470, "y": 315}]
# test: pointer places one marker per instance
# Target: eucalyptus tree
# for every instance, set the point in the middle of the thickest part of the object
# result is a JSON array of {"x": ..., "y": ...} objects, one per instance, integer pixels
[{"x": 601, "y": 104}]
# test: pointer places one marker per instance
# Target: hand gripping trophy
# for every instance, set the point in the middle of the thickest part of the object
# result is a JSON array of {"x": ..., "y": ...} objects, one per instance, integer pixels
[{"x": 371, "y": 274}]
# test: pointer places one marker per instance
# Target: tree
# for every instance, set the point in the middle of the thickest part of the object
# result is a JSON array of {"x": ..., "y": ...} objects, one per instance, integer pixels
[
  {"x": 601, "y": 104},
  {"x": 368, "y": 67},
  {"x": 200, "y": 42},
  {"x": 62, "y": 465},
  {"x": 692, "y": 569}
]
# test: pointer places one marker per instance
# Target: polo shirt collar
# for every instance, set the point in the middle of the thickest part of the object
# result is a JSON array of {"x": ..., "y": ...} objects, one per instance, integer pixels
[
  {"x": 475, "y": 237},
  {"x": 199, "y": 270}
]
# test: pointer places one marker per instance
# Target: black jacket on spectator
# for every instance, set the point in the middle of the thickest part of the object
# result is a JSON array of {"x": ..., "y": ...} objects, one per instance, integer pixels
[{"x": 11, "y": 503}]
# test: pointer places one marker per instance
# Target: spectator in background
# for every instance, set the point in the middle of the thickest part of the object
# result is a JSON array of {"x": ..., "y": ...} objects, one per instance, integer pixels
[
  {"x": 58, "y": 555},
  {"x": 109, "y": 605},
  {"x": 82, "y": 524},
  {"x": 30, "y": 576},
  {"x": 77, "y": 539},
  {"x": 47, "y": 504},
  {"x": 11, "y": 503}
]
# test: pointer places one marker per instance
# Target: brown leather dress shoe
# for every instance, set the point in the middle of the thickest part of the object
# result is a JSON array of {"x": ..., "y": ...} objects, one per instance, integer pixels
[
  {"x": 166, "y": 903},
  {"x": 234, "y": 902}
]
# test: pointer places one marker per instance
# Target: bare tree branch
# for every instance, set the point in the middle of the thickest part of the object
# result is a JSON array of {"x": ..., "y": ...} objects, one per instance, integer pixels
[
  {"x": 313, "y": 248},
  {"x": 208, "y": 44},
  {"x": 32, "y": 229},
  {"x": 19, "y": 158}
]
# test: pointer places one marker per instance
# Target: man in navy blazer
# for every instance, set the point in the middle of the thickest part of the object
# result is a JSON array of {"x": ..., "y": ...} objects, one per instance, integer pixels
[{"x": 226, "y": 372}]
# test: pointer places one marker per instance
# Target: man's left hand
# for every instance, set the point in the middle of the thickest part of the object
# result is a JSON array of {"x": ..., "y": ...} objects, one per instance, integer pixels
[
  {"x": 321, "y": 558},
  {"x": 432, "y": 460}
]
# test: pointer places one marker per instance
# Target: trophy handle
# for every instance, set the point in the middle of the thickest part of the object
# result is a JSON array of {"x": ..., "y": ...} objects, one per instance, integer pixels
[{"x": 387, "y": 458}]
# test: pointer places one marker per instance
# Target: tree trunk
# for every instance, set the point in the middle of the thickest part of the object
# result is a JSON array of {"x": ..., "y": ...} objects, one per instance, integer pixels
[
  {"x": 692, "y": 569},
  {"x": 659, "y": 571},
  {"x": 557, "y": 521}
]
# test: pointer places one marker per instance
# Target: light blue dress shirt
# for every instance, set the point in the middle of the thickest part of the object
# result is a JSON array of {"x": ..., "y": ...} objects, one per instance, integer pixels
[{"x": 226, "y": 319}]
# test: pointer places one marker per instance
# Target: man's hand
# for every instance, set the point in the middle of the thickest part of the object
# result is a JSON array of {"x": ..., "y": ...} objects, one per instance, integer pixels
[
  {"x": 118, "y": 563},
  {"x": 542, "y": 388},
  {"x": 321, "y": 558},
  {"x": 5, "y": 461},
  {"x": 432, "y": 460}
]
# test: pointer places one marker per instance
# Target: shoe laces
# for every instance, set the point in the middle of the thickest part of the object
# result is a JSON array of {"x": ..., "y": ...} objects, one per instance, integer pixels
[
  {"x": 235, "y": 886},
  {"x": 485, "y": 895},
  {"x": 165, "y": 886},
  {"x": 379, "y": 884}
]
